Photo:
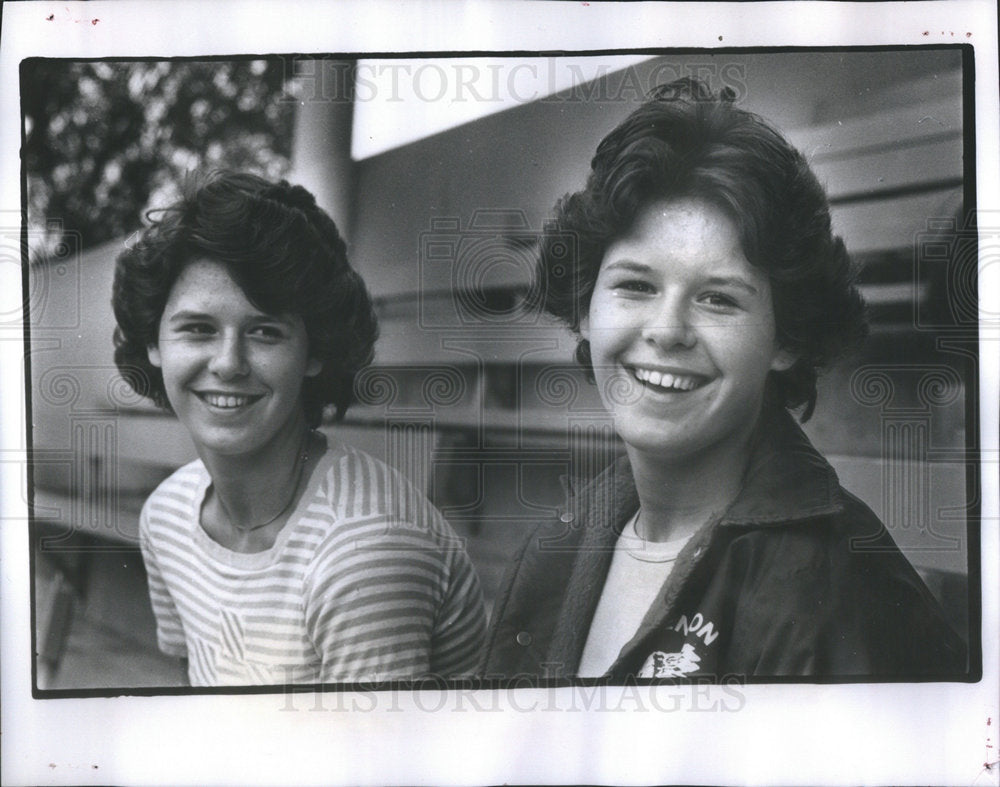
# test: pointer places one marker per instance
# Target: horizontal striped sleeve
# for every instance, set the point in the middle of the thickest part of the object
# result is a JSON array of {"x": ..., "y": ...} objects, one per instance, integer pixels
[
  {"x": 169, "y": 630},
  {"x": 460, "y": 629},
  {"x": 460, "y": 622},
  {"x": 370, "y": 612},
  {"x": 391, "y": 585}
]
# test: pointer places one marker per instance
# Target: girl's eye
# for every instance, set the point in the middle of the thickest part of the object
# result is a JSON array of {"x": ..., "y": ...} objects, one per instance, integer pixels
[
  {"x": 719, "y": 300},
  {"x": 196, "y": 328},
  {"x": 270, "y": 332},
  {"x": 634, "y": 286}
]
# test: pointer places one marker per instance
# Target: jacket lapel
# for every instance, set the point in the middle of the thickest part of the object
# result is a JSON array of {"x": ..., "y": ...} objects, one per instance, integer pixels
[{"x": 602, "y": 510}]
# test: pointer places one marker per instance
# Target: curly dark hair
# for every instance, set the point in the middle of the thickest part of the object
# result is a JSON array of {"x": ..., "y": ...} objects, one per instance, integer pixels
[
  {"x": 683, "y": 141},
  {"x": 283, "y": 251}
]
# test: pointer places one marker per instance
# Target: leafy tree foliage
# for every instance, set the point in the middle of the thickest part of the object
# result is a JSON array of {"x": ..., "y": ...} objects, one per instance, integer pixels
[{"x": 106, "y": 141}]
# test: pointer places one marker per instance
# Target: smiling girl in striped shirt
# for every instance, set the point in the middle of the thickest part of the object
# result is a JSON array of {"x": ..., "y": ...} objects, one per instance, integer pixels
[{"x": 278, "y": 556}]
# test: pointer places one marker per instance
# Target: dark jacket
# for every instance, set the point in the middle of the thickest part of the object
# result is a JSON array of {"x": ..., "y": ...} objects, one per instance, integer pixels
[{"x": 797, "y": 578}]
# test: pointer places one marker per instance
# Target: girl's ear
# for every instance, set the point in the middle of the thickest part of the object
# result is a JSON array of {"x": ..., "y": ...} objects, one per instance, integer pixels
[
  {"x": 153, "y": 353},
  {"x": 783, "y": 360},
  {"x": 313, "y": 367}
]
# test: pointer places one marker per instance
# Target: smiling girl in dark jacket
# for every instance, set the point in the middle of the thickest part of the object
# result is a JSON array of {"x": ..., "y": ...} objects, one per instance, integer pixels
[{"x": 707, "y": 292}]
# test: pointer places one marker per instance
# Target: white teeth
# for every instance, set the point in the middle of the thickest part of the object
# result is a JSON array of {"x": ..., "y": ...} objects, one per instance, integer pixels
[
  {"x": 217, "y": 400},
  {"x": 666, "y": 380}
]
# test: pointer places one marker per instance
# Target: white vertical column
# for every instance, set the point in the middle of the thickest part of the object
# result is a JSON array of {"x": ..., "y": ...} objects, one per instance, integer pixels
[{"x": 321, "y": 147}]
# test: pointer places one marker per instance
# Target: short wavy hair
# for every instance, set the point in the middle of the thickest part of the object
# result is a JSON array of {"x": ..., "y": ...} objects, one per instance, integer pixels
[
  {"x": 684, "y": 141},
  {"x": 283, "y": 251}
]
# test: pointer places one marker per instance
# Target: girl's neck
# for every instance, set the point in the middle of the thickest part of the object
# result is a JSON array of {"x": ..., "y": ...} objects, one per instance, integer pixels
[
  {"x": 249, "y": 487},
  {"x": 677, "y": 497}
]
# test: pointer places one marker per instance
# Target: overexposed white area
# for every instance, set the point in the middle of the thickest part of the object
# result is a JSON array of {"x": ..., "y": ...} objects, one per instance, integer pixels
[
  {"x": 400, "y": 101},
  {"x": 778, "y": 734}
]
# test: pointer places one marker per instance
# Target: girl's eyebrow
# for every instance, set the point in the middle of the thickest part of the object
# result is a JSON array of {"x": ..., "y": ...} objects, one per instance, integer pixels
[
  {"x": 628, "y": 265},
  {"x": 188, "y": 314},
  {"x": 732, "y": 281},
  {"x": 262, "y": 317}
]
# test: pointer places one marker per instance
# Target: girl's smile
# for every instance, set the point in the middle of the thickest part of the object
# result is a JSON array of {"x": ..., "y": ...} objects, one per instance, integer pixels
[
  {"x": 668, "y": 380},
  {"x": 227, "y": 401},
  {"x": 233, "y": 374}
]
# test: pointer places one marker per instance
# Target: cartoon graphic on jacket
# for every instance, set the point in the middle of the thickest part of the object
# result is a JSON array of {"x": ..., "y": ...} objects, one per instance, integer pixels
[{"x": 797, "y": 578}]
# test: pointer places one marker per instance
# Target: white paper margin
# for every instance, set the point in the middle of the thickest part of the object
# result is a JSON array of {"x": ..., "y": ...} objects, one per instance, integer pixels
[{"x": 778, "y": 734}]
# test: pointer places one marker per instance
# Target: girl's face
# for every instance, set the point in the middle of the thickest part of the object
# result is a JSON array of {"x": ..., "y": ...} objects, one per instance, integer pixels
[
  {"x": 682, "y": 334},
  {"x": 232, "y": 373}
]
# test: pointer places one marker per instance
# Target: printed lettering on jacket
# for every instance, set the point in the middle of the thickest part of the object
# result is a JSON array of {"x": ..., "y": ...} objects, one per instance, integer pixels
[{"x": 692, "y": 638}]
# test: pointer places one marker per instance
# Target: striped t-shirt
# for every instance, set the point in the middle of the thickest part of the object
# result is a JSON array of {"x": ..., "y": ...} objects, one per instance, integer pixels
[{"x": 366, "y": 582}]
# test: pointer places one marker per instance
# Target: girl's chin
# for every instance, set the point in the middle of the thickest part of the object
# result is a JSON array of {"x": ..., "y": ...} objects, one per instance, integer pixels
[
  {"x": 684, "y": 444},
  {"x": 242, "y": 442},
  {"x": 228, "y": 441}
]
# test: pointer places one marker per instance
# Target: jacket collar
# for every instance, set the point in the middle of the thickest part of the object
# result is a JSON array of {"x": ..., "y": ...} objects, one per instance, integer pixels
[{"x": 787, "y": 480}]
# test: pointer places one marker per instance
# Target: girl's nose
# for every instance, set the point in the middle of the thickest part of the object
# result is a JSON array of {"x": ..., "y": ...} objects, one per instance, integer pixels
[
  {"x": 229, "y": 358},
  {"x": 670, "y": 325}
]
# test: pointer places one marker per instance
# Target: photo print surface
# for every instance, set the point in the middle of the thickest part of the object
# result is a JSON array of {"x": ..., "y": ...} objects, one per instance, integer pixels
[{"x": 474, "y": 395}]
